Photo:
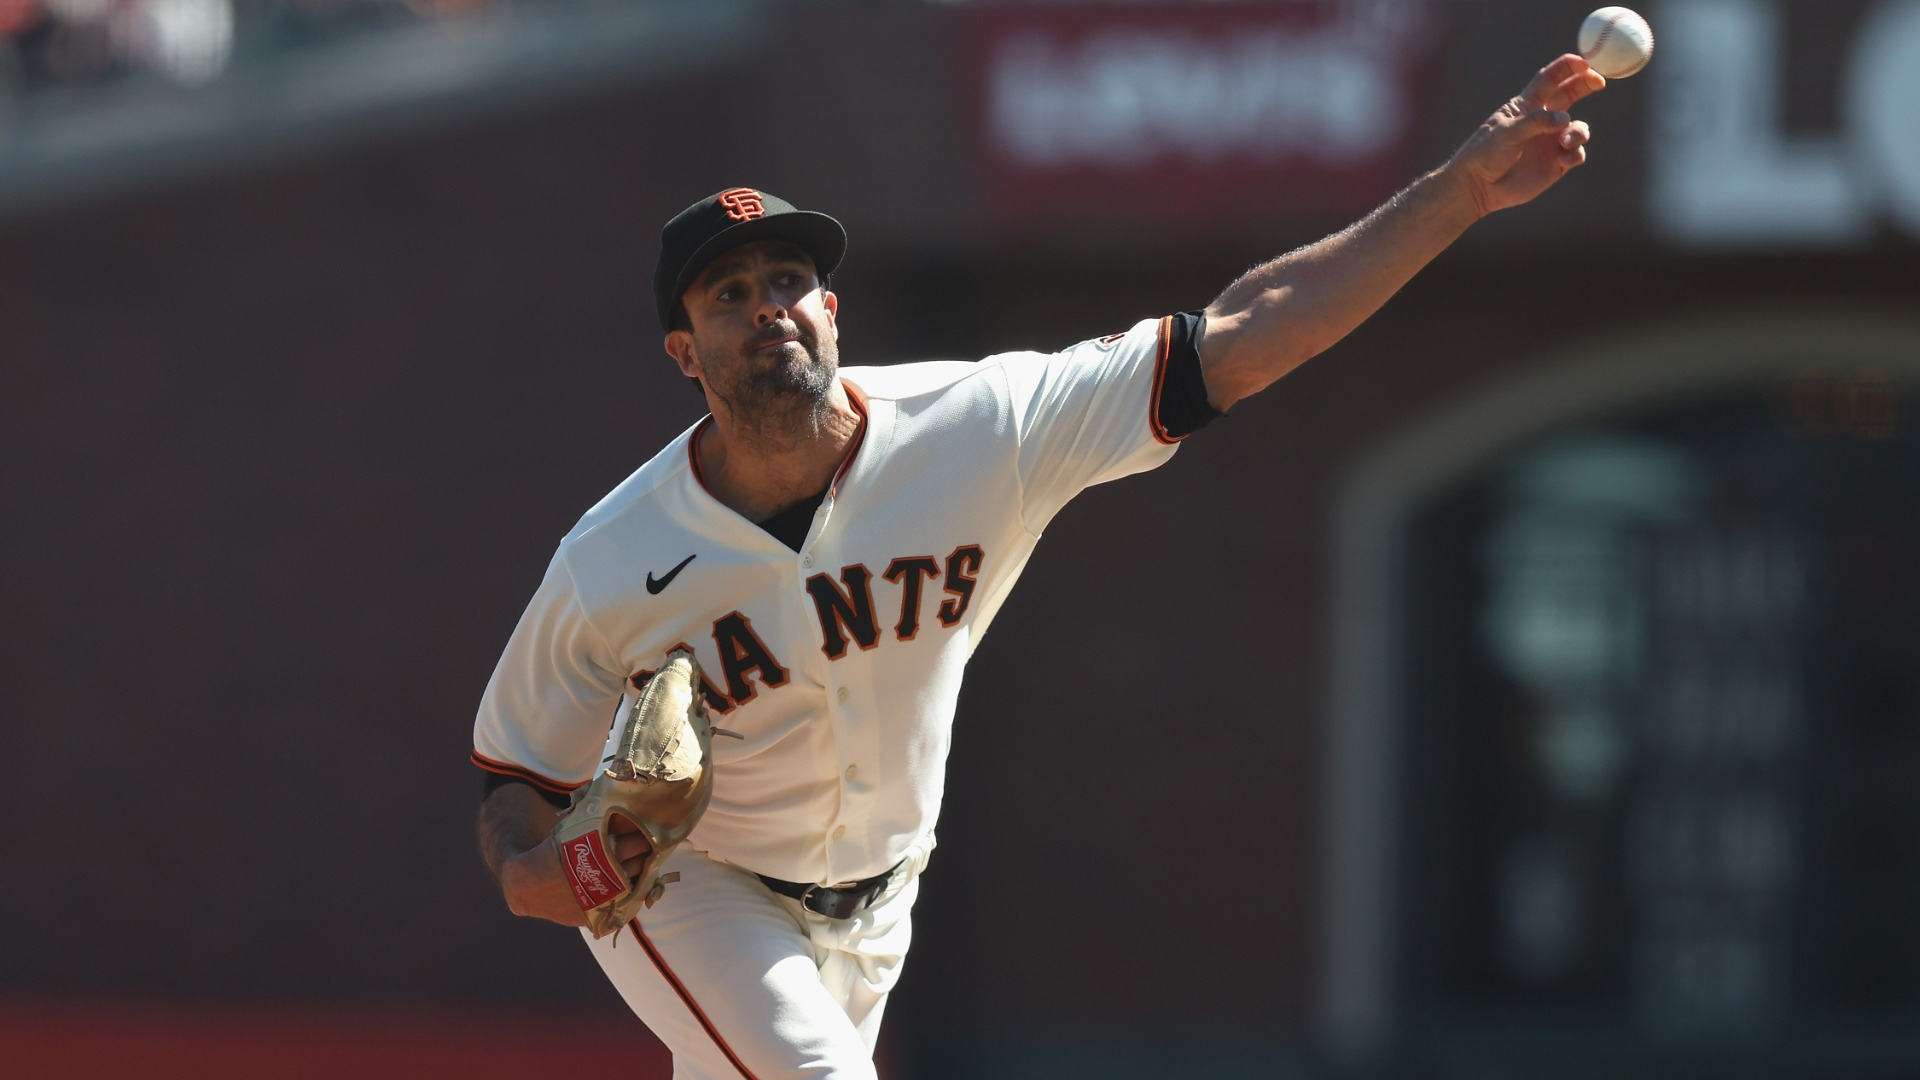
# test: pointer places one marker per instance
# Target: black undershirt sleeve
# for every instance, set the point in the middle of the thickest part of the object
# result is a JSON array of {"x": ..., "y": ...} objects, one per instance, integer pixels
[
  {"x": 1183, "y": 408},
  {"x": 495, "y": 781}
]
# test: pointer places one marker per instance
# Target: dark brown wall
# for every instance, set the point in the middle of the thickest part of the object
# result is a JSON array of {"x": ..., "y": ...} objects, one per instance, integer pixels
[{"x": 286, "y": 449}]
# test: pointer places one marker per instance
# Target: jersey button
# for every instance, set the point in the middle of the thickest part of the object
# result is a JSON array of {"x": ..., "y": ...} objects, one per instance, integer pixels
[
  {"x": 807, "y": 562},
  {"x": 845, "y": 694},
  {"x": 839, "y": 832},
  {"x": 853, "y": 771}
]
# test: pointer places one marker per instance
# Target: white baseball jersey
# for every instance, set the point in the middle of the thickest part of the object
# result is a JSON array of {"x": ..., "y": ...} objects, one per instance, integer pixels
[{"x": 839, "y": 663}]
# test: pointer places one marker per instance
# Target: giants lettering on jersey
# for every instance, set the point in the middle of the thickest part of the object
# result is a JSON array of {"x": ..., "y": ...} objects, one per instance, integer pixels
[{"x": 848, "y": 616}]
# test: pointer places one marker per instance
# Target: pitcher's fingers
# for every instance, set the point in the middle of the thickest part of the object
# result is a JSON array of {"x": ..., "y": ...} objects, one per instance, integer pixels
[
  {"x": 1579, "y": 86},
  {"x": 1556, "y": 72},
  {"x": 1536, "y": 123},
  {"x": 1563, "y": 82},
  {"x": 632, "y": 856}
]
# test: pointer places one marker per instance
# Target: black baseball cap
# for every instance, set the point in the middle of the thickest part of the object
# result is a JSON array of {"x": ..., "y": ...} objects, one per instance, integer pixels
[{"x": 727, "y": 219}]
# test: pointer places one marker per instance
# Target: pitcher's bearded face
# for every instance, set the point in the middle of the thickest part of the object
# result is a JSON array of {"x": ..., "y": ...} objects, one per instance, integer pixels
[
  {"x": 763, "y": 336},
  {"x": 785, "y": 360}
]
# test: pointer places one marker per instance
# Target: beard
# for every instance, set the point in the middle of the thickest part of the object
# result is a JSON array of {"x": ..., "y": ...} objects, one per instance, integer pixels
[{"x": 776, "y": 389}]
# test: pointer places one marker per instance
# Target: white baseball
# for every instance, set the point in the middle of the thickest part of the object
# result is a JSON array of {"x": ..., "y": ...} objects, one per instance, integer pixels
[{"x": 1616, "y": 41}]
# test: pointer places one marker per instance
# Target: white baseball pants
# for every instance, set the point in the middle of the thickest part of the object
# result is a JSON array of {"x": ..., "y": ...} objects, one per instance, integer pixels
[{"x": 740, "y": 982}]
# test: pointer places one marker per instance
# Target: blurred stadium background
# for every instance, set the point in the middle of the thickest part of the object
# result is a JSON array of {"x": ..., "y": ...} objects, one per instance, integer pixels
[{"x": 1551, "y": 647}]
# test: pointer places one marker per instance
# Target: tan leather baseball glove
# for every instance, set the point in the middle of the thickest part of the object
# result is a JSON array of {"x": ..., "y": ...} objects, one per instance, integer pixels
[{"x": 659, "y": 777}]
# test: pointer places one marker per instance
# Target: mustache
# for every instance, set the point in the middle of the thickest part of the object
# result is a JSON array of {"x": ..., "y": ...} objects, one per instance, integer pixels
[{"x": 781, "y": 330}]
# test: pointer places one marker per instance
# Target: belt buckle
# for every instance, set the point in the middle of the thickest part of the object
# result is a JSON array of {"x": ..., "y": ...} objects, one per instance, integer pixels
[
  {"x": 831, "y": 902},
  {"x": 843, "y": 901},
  {"x": 838, "y": 901}
]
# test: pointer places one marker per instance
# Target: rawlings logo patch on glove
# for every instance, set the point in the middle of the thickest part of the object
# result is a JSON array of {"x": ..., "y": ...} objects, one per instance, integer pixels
[{"x": 658, "y": 779}]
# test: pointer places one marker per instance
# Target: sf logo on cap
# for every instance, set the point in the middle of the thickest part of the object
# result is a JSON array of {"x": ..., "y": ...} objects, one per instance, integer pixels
[{"x": 742, "y": 204}]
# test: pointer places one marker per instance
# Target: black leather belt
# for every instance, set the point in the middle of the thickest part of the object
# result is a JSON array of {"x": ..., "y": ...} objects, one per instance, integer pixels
[{"x": 834, "y": 901}]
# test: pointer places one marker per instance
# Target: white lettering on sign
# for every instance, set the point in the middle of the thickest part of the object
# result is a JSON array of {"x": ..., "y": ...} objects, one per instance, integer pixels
[
  {"x": 1883, "y": 89},
  {"x": 1723, "y": 171},
  {"x": 1127, "y": 96}
]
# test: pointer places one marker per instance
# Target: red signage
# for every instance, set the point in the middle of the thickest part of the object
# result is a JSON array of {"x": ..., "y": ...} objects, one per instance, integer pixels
[{"x": 1197, "y": 113}]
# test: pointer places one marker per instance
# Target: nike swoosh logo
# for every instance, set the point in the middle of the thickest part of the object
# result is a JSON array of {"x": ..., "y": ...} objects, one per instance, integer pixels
[{"x": 654, "y": 585}]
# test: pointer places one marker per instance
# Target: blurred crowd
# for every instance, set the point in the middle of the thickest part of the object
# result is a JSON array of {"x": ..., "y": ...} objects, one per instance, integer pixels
[
  {"x": 56, "y": 49},
  {"x": 56, "y": 54}
]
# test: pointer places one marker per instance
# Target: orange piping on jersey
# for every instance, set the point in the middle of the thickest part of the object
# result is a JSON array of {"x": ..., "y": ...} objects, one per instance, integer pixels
[
  {"x": 1159, "y": 382},
  {"x": 693, "y": 454},
  {"x": 518, "y": 772},
  {"x": 859, "y": 399},
  {"x": 686, "y": 996}
]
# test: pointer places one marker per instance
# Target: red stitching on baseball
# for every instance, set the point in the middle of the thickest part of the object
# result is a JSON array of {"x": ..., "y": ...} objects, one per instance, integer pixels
[{"x": 1600, "y": 44}]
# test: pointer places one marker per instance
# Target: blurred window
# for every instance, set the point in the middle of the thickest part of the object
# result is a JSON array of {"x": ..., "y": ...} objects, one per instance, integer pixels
[{"x": 1661, "y": 715}]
